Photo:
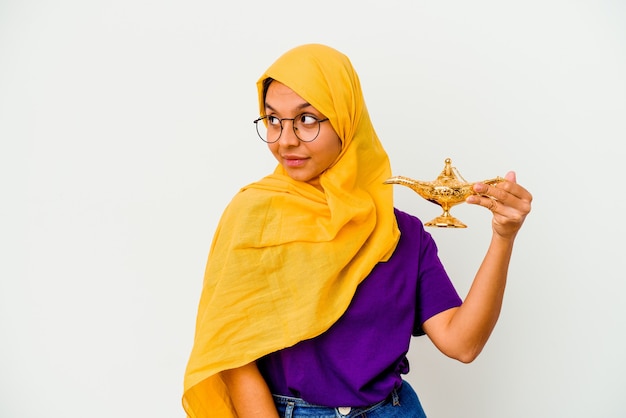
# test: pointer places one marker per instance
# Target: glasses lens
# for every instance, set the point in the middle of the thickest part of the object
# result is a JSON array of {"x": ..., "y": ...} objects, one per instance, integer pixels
[
  {"x": 270, "y": 134},
  {"x": 307, "y": 127}
]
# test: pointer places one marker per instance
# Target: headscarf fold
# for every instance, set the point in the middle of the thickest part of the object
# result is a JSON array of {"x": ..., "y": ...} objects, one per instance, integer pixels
[{"x": 286, "y": 257}]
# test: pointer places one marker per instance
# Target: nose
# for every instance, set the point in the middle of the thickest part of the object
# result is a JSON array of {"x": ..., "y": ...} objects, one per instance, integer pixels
[{"x": 288, "y": 136}]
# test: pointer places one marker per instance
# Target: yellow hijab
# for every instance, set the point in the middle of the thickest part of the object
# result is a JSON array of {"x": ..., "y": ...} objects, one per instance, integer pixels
[{"x": 286, "y": 257}]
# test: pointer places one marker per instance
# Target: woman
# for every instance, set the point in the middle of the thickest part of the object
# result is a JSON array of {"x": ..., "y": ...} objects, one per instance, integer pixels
[{"x": 315, "y": 283}]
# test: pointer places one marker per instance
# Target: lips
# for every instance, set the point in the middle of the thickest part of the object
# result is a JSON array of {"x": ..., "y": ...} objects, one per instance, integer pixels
[{"x": 294, "y": 160}]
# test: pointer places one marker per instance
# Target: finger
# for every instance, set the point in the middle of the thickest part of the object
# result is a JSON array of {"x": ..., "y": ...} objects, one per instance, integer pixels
[
  {"x": 511, "y": 176},
  {"x": 505, "y": 189},
  {"x": 496, "y": 198},
  {"x": 512, "y": 187},
  {"x": 489, "y": 190},
  {"x": 483, "y": 200}
]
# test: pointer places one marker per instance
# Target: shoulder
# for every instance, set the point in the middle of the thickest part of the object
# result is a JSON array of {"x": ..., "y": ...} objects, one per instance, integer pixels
[
  {"x": 408, "y": 222},
  {"x": 258, "y": 196},
  {"x": 414, "y": 238}
]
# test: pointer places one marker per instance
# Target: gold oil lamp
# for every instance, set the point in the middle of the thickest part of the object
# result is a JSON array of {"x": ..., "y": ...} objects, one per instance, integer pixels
[{"x": 449, "y": 189}]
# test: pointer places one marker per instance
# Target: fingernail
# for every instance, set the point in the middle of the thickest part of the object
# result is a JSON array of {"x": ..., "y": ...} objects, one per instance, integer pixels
[{"x": 480, "y": 187}]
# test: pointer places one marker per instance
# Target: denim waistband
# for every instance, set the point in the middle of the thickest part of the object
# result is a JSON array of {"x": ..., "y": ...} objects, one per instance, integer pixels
[{"x": 291, "y": 403}]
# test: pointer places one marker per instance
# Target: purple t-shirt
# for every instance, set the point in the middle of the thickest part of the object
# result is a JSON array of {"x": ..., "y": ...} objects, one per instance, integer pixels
[{"x": 361, "y": 358}]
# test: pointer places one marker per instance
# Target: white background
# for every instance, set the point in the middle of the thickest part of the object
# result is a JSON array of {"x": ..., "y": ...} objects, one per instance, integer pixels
[{"x": 126, "y": 127}]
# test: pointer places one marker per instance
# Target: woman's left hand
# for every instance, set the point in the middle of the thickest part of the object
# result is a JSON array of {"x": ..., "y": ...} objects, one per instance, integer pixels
[{"x": 508, "y": 201}]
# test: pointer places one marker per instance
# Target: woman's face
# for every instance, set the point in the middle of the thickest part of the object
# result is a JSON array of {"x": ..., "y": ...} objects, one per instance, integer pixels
[{"x": 302, "y": 161}]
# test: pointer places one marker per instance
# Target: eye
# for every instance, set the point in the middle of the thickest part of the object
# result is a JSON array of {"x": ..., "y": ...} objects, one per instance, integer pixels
[
  {"x": 307, "y": 120},
  {"x": 273, "y": 120}
]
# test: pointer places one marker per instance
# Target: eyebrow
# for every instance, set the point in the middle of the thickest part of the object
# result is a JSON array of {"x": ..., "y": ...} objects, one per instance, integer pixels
[{"x": 299, "y": 107}]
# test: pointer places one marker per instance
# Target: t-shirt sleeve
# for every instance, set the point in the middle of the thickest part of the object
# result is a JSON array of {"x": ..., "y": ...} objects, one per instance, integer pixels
[{"x": 435, "y": 291}]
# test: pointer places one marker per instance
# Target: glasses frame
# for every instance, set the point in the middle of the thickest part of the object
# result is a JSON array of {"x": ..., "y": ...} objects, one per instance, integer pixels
[{"x": 293, "y": 126}]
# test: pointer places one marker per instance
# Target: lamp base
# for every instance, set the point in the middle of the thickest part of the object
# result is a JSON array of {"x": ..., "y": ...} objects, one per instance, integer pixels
[{"x": 446, "y": 222}]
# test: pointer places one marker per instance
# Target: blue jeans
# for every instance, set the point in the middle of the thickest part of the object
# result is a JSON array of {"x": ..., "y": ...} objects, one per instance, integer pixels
[{"x": 402, "y": 403}]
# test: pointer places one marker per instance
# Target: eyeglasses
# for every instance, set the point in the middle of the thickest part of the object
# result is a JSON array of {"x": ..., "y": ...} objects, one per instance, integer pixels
[{"x": 305, "y": 126}]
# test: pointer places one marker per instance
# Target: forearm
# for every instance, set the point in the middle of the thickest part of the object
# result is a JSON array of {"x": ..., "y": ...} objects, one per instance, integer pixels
[
  {"x": 463, "y": 332},
  {"x": 249, "y": 392},
  {"x": 477, "y": 317}
]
